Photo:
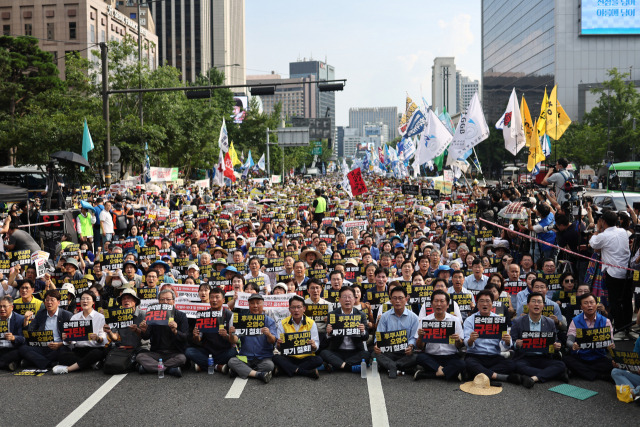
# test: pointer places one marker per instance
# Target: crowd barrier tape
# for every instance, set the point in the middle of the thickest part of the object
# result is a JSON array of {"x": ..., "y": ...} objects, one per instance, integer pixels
[
  {"x": 526, "y": 236},
  {"x": 41, "y": 223}
]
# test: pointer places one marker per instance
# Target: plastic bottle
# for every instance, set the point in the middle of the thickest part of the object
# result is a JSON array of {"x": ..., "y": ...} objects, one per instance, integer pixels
[
  {"x": 160, "y": 369},
  {"x": 210, "y": 364},
  {"x": 374, "y": 368},
  {"x": 363, "y": 369}
]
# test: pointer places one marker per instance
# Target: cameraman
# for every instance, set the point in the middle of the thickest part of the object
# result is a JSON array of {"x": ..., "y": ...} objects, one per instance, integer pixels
[
  {"x": 558, "y": 176},
  {"x": 613, "y": 243},
  {"x": 544, "y": 230}
]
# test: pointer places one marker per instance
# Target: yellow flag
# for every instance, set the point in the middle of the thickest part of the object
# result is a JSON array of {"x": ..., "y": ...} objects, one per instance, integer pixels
[
  {"x": 557, "y": 119},
  {"x": 536, "y": 154},
  {"x": 526, "y": 121},
  {"x": 234, "y": 155},
  {"x": 542, "y": 120}
]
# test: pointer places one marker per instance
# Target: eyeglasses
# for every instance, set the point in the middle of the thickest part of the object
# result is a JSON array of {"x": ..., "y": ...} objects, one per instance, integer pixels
[
  {"x": 296, "y": 307},
  {"x": 397, "y": 298},
  {"x": 569, "y": 281}
]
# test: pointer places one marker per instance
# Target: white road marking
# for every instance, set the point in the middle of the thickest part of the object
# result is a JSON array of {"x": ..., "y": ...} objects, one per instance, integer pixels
[
  {"x": 236, "y": 388},
  {"x": 91, "y": 401},
  {"x": 379, "y": 417}
]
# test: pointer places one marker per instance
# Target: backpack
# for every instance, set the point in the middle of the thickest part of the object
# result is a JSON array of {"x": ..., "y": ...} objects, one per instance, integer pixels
[
  {"x": 119, "y": 361},
  {"x": 119, "y": 221},
  {"x": 569, "y": 186}
]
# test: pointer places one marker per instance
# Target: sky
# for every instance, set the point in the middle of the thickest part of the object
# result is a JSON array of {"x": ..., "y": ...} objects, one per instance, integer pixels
[{"x": 385, "y": 49}]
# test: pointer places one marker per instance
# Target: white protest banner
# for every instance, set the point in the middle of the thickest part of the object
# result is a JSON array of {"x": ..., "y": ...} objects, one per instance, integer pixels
[
  {"x": 163, "y": 174},
  {"x": 190, "y": 309},
  {"x": 350, "y": 225},
  {"x": 270, "y": 301},
  {"x": 187, "y": 291}
]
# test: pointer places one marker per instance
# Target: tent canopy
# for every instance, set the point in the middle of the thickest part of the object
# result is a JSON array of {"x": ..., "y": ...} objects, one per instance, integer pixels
[{"x": 9, "y": 193}]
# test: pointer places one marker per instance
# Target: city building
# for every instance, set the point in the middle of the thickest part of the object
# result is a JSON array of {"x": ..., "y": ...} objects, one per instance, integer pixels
[
  {"x": 358, "y": 117},
  {"x": 375, "y": 134},
  {"x": 549, "y": 42},
  {"x": 466, "y": 88},
  {"x": 317, "y": 70},
  {"x": 340, "y": 140},
  {"x": 66, "y": 27},
  {"x": 352, "y": 141},
  {"x": 298, "y": 99},
  {"x": 443, "y": 85},
  {"x": 197, "y": 35}
]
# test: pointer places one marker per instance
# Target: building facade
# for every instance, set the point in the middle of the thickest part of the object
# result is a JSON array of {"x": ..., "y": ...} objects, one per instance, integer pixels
[
  {"x": 318, "y": 71},
  {"x": 537, "y": 45},
  {"x": 358, "y": 117},
  {"x": 466, "y": 90},
  {"x": 298, "y": 99},
  {"x": 352, "y": 140},
  {"x": 74, "y": 26},
  {"x": 197, "y": 35},
  {"x": 444, "y": 85}
]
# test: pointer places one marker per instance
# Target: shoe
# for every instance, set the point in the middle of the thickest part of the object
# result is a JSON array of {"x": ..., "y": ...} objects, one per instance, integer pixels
[
  {"x": 514, "y": 379},
  {"x": 620, "y": 336},
  {"x": 506, "y": 354},
  {"x": 232, "y": 373},
  {"x": 24, "y": 364},
  {"x": 60, "y": 369},
  {"x": 97, "y": 366},
  {"x": 141, "y": 370},
  {"x": 265, "y": 377},
  {"x": 223, "y": 369},
  {"x": 176, "y": 372},
  {"x": 312, "y": 373},
  {"x": 354, "y": 368},
  {"x": 393, "y": 374},
  {"x": 12, "y": 366},
  {"x": 197, "y": 367},
  {"x": 460, "y": 377},
  {"x": 326, "y": 367},
  {"x": 493, "y": 383},
  {"x": 527, "y": 381},
  {"x": 276, "y": 372},
  {"x": 422, "y": 375},
  {"x": 565, "y": 376}
]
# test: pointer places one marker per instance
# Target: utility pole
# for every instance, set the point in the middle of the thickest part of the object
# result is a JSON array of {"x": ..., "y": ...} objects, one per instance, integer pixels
[
  {"x": 268, "y": 158},
  {"x": 140, "y": 69},
  {"x": 105, "y": 111}
]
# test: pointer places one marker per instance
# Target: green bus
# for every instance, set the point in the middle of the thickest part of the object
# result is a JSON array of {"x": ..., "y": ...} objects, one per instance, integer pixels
[{"x": 628, "y": 177}]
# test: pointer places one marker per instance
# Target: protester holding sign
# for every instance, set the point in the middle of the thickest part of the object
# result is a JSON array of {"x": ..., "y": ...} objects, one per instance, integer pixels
[
  {"x": 89, "y": 349},
  {"x": 440, "y": 335},
  {"x": 11, "y": 337},
  {"x": 298, "y": 342},
  {"x": 588, "y": 358},
  {"x": 535, "y": 342},
  {"x": 52, "y": 318},
  {"x": 27, "y": 304},
  {"x": 623, "y": 377}
]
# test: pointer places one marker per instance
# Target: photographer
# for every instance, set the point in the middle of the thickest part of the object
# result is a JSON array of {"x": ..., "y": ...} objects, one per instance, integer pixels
[
  {"x": 544, "y": 230},
  {"x": 613, "y": 243},
  {"x": 558, "y": 176}
]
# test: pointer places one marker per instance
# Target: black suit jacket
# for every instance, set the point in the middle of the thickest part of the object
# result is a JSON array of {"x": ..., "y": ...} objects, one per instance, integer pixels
[
  {"x": 39, "y": 322},
  {"x": 336, "y": 341},
  {"x": 521, "y": 324},
  {"x": 162, "y": 339},
  {"x": 15, "y": 327}
]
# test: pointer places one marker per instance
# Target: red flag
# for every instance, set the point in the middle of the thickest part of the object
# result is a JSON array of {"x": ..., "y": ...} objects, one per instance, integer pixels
[
  {"x": 228, "y": 167},
  {"x": 356, "y": 182},
  {"x": 381, "y": 154}
]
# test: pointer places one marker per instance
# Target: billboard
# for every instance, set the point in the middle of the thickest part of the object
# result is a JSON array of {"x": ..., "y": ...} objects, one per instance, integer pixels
[
  {"x": 240, "y": 108},
  {"x": 610, "y": 17}
]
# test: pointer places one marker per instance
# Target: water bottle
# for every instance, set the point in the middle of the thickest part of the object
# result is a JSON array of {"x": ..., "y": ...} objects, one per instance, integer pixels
[
  {"x": 374, "y": 368},
  {"x": 210, "y": 364},
  {"x": 160, "y": 369},
  {"x": 363, "y": 369}
]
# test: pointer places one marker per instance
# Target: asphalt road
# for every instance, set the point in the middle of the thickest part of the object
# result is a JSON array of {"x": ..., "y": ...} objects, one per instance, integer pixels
[{"x": 334, "y": 399}]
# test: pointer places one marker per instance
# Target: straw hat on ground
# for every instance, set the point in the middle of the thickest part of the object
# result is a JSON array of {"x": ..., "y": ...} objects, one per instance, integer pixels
[{"x": 480, "y": 386}]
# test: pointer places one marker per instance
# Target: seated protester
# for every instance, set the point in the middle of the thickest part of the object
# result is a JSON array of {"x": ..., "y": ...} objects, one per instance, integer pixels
[
  {"x": 336, "y": 280},
  {"x": 568, "y": 282},
  {"x": 457, "y": 288},
  {"x": 590, "y": 364},
  {"x": 541, "y": 286},
  {"x": 257, "y": 350},
  {"x": 130, "y": 336},
  {"x": 237, "y": 285},
  {"x": 52, "y": 318},
  {"x": 440, "y": 360},
  {"x": 72, "y": 305},
  {"x": 300, "y": 275},
  {"x": 278, "y": 314},
  {"x": 342, "y": 352},
  {"x": 298, "y": 364},
  {"x": 12, "y": 339},
  {"x": 257, "y": 276},
  {"x": 88, "y": 353},
  {"x": 250, "y": 288},
  {"x": 483, "y": 354},
  {"x": 400, "y": 318},
  {"x": 427, "y": 308},
  {"x": 476, "y": 281},
  {"x": 220, "y": 345},
  {"x": 497, "y": 294},
  {"x": 624, "y": 377},
  {"x": 72, "y": 269},
  {"x": 521, "y": 297},
  {"x": 572, "y": 310},
  {"x": 129, "y": 275},
  {"x": 388, "y": 305},
  {"x": 444, "y": 272},
  {"x": 536, "y": 366},
  {"x": 363, "y": 306},
  {"x": 315, "y": 289},
  {"x": 167, "y": 342},
  {"x": 513, "y": 275},
  {"x": 27, "y": 304},
  {"x": 151, "y": 279}
]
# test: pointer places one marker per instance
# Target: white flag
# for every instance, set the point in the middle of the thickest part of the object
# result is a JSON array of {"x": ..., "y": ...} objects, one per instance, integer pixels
[
  {"x": 434, "y": 140},
  {"x": 261, "y": 162},
  {"x": 472, "y": 130},
  {"x": 219, "y": 178},
  {"x": 223, "y": 139},
  {"x": 511, "y": 125}
]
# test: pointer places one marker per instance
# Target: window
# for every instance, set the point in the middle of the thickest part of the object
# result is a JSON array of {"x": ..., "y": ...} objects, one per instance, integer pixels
[
  {"x": 93, "y": 34},
  {"x": 72, "y": 31},
  {"x": 6, "y": 30},
  {"x": 50, "y": 31},
  {"x": 28, "y": 29}
]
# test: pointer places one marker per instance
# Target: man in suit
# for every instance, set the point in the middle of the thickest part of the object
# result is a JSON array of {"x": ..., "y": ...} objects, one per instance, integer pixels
[
  {"x": 536, "y": 366},
  {"x": 11, "y": 338},
  {"x": 52, "y": 318},
  {"x": 346, "y": 352}
]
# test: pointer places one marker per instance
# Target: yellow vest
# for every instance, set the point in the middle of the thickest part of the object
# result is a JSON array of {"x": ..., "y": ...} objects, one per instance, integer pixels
[
  {"x": 321, "y": 207},
  {"x": 305, "y": 325}
]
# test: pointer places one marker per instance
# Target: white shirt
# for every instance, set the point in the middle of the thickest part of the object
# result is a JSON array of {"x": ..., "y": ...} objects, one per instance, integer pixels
[
  {"x": 97, "y": 323},
  {"x": 442, "y": 349},
  {"x": 106, "y": 221},
  {"x": 614, "y": 243}
]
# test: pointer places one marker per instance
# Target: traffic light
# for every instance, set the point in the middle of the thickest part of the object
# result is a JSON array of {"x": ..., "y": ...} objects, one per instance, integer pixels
[
  {"x": 330, "y": 87},
  {"x": 198, "y": 94},
  {"x": 262, "y": 90}
]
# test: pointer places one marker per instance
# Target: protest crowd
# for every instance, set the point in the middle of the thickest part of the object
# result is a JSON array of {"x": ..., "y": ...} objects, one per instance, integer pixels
[{"x": 466, "y": 283}]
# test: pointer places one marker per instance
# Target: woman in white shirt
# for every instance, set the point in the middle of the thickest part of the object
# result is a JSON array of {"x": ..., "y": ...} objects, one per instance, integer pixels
[{"x": 84, "y": 354}]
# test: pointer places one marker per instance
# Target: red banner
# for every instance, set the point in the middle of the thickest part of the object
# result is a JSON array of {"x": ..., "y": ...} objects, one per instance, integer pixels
[
  {"x": 228, "y": 165},
  {"x": 356, "y": 182}
]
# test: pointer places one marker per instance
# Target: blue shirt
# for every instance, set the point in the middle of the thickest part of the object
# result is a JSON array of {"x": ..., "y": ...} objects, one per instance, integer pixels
[
  {"x": 472, "y": 284},
  {"x": 547, "y": 301},
  {"x": 51, "y": 324},
  {"x": 521, "y": 298},
  {"x": 483, "y": 346},
  {"x": 535, "y": 326},
  {"x": 390, "y": 322},
  {"x": 257, "y": 347}
]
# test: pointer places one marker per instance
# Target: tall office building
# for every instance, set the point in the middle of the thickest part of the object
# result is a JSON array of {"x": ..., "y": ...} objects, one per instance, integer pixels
[
  {"x": 443, "y": 85},
  {"x": 387, "y": 115},
  {"x": 318, "y": 70},
  {"x": 196, "y": 35},
  {"x": 352, "y": 140},
  {"x": 548, "y": 42},
  {"x": 466, "y": 89},
  {"x": 297, "y": 100}
]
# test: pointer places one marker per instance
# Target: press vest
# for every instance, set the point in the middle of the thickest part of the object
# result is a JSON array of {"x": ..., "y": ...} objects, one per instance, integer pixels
[
  {"x": 321, "y": 207},
  {"x": 86, "y": 228},
  {"x": 305, "y": 325}
]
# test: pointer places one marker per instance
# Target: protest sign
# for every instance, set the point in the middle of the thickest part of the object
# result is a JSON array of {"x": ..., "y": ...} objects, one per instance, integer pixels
[
  {"x": 209, "y": 322},
  {"x": 317, "y": 312},
  {"x": 159, "y": 314},
  {"x": 345, "y": 324},
  {"x": 78, "y": 330},
  {"x": 393, "y": 341},
  {"x": 594, "y": 338},
  {"x": 490, "y": 327},
  {"x": 295, "y": 343},
  {"x": 538, "y": 342},
  {"x": 118, "y": 318},
  {"x": 248, "y": 324},
  {"x": 438, "y": 331},
  {"x": 38, "y": 338}
]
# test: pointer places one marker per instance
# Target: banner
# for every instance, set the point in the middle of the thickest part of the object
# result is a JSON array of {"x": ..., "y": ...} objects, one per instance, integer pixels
[
  {"x": 393, "y": 341},
  {"x": 223, "y": 139},
  {"x": 438, "y": 332},
  {"x": 345, "y": 324},
  {"x": 163, "y": 174},
  {"x": 490, "y": 327},
  {"x": 270, "y": 301},
  {"x": 356, "y": 182},
  {"x": 472, "y": 130},
  {"x": 248, "y": 324},
  {"x": 78, "y": 330},
  {"x": 295, "y": 343}
]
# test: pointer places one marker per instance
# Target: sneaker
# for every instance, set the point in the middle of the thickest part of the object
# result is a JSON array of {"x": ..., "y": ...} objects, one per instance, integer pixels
[
  {"x": 24, "y": 364},
  {"x": 460, "y": 377},
  {"x": 326, "y": 367},
  {"x": 620, "y": 336},
  {"x": 223, "y": 369},
  {"x": 565, "y": 376},
  {"x": 276, "y": 372},
  {"x": 197, "y": 367},
  {"x": 505, "y": 354},
  {"x": 420, "y": 375},
  {"x": 527, "y": 381},
  {"x": 12, "y": 366},
  {"x": 314, "y": 374},
  {"x": 515, "y": 379},
  {"x": 176, "y": 372},
  {"x": 97, "y": 366},
  {"x": 60, "y": 369},
  {"x": 265, "y": 377}
]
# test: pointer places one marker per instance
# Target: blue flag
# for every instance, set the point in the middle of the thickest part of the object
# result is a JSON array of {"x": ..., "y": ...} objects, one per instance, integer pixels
[
  {"x": 87, "y": 143},
  {"x": 147, "y": 165}
]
